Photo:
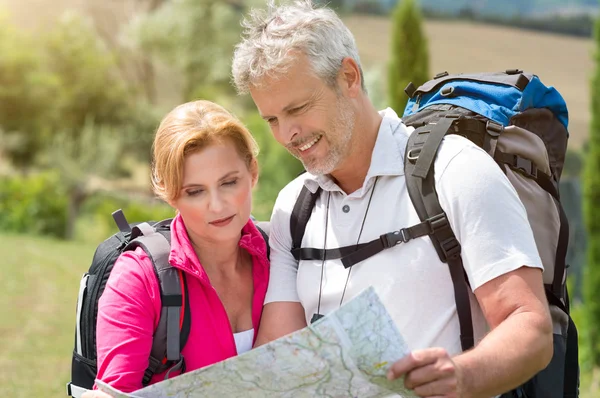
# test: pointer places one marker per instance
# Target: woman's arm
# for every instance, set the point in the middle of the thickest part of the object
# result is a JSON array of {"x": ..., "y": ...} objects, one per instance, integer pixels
[{"x": 127, "y": 316}]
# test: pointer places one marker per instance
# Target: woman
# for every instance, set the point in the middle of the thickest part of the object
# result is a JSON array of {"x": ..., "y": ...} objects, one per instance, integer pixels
[{"x": 205, "y": 167}]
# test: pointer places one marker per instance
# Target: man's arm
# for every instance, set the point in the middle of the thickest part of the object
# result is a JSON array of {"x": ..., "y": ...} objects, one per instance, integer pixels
[
  {"x": 520, "y": 342},
  {"x": 518, "y": 346},
  {"x": 504, "y": 269},
  {"x": 278, "y": 319}
]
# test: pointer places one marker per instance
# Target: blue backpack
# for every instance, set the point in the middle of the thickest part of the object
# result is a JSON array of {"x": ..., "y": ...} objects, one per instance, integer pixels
[{"x": 522, "y": 124}]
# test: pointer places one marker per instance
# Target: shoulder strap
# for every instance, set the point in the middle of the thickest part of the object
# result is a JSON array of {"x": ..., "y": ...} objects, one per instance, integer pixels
[
  {"x": 172, "y": 331},
  {"x": 263, "y": 227},
  {"x": 301, "y": 214},
  {"x": 421, "y": 150}
]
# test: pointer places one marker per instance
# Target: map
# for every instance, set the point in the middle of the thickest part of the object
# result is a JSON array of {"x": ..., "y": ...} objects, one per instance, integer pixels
[{"x": 344, "y": 354}]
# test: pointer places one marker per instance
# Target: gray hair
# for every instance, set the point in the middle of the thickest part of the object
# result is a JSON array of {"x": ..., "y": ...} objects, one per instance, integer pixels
[{"x": 269, "y": 35}]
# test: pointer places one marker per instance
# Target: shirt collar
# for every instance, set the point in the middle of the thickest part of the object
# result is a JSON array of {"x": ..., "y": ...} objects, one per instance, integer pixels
[
  {"x": 387, "y": 158},
  {"x": 183, "y": 256}
]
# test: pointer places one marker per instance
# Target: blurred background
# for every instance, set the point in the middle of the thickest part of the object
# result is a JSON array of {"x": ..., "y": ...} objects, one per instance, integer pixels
[{"x": 84, "y": 83}]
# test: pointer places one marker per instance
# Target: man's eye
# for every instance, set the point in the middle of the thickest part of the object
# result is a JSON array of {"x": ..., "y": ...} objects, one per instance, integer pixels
[
  {"x": 272, "y": 121},
  {"x": 297, "y": 110}
]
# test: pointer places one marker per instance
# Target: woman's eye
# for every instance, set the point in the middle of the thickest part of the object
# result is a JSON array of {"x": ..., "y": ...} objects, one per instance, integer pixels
[
  {"x": 195, "y": 192},
  {"x": 230, "y": 183}
]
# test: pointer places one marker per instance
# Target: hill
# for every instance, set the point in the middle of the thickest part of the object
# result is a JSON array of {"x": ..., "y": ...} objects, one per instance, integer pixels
[
  {"x": 504, "y": 8},
  {"x": 561, "y": 61}
]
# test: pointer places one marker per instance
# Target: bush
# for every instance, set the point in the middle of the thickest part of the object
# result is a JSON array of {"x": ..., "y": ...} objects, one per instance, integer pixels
[
  {"x": 35, "y": 204},
  {"x": 97, "y": 224}
]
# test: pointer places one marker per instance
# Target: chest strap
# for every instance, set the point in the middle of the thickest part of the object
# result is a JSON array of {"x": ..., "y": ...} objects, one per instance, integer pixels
[{"x": 354, "y": 254}]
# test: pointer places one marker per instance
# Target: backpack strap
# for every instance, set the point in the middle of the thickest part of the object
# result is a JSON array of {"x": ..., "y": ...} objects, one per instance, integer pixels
[
  {"x": 548, "y": 184},
  {"x": 173, "y": 328},
  {"x": 421, "y": 150},
  {"x": 301, "y": 214},
  {"x": 263, "y": 227}
]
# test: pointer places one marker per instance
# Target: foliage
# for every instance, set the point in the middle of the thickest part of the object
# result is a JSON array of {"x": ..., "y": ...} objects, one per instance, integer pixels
[
  {"x": 83, "y": 163},
  {"x": 277, "y": 167},
  {"x": 24, "y": 93},
  {"x": 374, "y": 81},
  {"x": 197, "y": 38},
  {"x": 573, "y": 165},
  {"x": 85, "y": 76},
  {"x": 35, "y": 205},
  {"x": 409, "y": 53},
  {"x": 591, "y": 207},
  {"x": 96, "y": 222},
  {"x": 58, "y": 83}
]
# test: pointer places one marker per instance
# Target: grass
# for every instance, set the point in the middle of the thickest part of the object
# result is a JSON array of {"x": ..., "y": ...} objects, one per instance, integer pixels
[{"x": 39, "y": 285}]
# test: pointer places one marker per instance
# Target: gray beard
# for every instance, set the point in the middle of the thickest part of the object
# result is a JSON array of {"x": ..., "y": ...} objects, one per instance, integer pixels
[{"x": 345, "y": 123}]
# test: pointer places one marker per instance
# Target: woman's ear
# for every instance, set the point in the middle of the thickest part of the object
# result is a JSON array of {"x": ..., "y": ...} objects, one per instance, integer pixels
[
  {"x": 254, "y": 171},
  {"x": 173, "y": 204}
]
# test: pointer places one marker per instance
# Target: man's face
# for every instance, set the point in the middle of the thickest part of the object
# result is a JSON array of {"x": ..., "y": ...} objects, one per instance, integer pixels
[{"x": 312, "y": 120}]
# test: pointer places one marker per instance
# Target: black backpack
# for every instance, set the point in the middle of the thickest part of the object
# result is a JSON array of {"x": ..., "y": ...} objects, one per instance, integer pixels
[
  {"x": 522, "y": 124},
  {"x": 169, "y": 337}
]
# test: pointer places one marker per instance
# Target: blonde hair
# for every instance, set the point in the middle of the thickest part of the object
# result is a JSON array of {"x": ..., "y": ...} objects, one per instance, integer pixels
[{"x": 187, "y": 129}]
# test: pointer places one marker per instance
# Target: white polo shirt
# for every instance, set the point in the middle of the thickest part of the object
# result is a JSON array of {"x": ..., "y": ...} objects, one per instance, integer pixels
[{"x": 484, "y": 211}]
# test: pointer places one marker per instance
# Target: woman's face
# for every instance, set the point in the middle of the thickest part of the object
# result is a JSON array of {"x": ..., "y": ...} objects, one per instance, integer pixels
[{"x": 216, "y": 195}]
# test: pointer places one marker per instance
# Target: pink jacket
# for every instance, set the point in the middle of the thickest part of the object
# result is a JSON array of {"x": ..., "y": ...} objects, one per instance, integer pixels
[{"x": 129, "y": 310}]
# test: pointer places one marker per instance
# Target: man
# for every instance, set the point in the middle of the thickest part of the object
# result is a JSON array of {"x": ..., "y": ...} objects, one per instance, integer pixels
[{"x": 300, "y": 64}]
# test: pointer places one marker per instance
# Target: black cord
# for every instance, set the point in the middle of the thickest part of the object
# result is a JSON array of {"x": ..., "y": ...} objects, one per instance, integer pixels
[
  {"x": 359, "y": 235},
  {"x": 318, "y": 314}
]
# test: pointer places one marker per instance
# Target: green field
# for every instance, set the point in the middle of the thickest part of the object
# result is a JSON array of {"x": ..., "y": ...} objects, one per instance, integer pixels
[{"x": 39, "y": 285}]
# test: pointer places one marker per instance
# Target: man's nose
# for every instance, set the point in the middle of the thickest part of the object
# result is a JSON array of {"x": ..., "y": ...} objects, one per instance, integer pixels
[{"x": 290, "y": 129}]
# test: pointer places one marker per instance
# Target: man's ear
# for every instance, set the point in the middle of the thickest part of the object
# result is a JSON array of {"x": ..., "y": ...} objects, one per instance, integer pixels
[{"x": 350, "y": 78}]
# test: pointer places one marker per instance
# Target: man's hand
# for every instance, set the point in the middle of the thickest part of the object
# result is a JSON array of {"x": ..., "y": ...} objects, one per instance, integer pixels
[{"x": 429, "y": 373}]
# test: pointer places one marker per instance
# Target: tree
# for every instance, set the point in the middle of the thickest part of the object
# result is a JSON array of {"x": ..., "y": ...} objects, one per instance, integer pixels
[
  {"x": 25, "y": 91},
  {"x": 409, "y": 53},
  {"x": 135, "y": 66},
  {"x": 85, "y": 163},
  {"x": 85, "y": 74},
  {"x": 591, "y": 208},
  {"x": 196, "y": 37},
  {"x": 56, "y": 83}
]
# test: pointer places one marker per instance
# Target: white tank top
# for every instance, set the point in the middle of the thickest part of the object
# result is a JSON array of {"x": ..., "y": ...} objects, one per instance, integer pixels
[{"x": 243, "y": 340}]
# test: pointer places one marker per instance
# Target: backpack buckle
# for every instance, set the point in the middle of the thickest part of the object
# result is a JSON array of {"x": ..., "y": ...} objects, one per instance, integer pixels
[
  {"x": 525, "y": 166},
  {"x": 494, "y": 129},
  {"x": 451, "y": 248},
  {"x": 413, "y": 154},
  {"x": 391, "y": 239},
  {"x": 438, "y": 222}
]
